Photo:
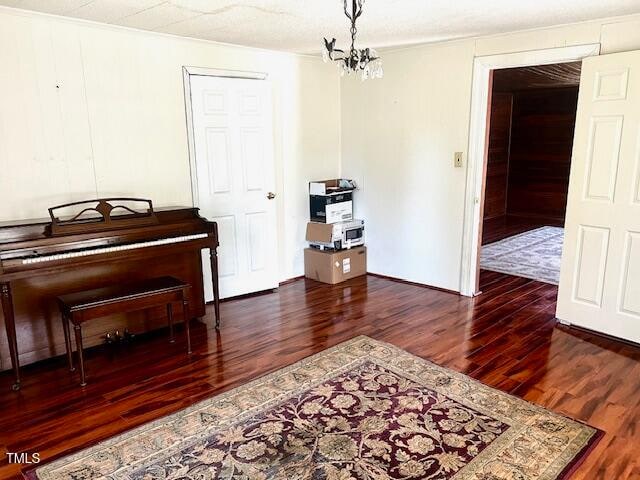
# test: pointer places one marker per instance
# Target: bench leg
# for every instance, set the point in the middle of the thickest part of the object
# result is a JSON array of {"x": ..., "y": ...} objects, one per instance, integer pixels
[
  {"x": 170, "y": 316},
  {"x": 67, "y": 342},
  {"x": 213, "y": 257},
  {"x": 78, "y": 331},
  {"x": 187, "y": 321}
]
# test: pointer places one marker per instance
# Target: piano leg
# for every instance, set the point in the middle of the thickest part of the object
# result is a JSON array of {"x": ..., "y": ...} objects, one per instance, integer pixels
[
  {"x": 213, "y": 255},
  {"x": 187, "y": 321},
  {"x": 170, "y": 317},
  {"x": 10, "y": 325}
]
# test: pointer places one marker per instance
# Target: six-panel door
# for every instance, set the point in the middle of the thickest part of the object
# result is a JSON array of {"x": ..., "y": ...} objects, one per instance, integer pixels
[
  {"x": 600, "y": 276},
  {"x": 233, "y": 136}
]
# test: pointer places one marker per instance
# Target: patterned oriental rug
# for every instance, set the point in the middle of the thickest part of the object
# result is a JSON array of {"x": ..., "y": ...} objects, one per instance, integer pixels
[
  {"x": 534, "y": 254},
  {"x": 360, "y": 410}
]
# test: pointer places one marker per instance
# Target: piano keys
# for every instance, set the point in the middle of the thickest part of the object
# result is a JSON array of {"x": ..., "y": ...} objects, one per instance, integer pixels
[
  {"x": 119, "y": 248},
  {"x": 106, "y": 243}
]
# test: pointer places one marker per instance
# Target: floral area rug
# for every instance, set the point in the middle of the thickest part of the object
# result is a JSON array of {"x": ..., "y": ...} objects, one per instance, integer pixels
[
  {"x": 360, "y": 410},
  {"x": 534, "y": 254}
]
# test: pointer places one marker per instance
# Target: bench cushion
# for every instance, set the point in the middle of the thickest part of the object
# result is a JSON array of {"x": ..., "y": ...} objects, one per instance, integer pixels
[{"x": 127, "y": 291}]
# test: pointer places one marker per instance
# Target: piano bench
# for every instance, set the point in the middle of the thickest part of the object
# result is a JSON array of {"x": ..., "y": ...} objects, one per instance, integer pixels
[{"x": 79, "y": 307}]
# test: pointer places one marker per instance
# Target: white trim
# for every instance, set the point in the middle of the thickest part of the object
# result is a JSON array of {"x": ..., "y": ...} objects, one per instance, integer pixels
[
  {"x": 212, "y": 72},
  {"x": 599, "y": 22},
  {"x": 482, "y": 68},
  {"x": 216, "y": 72},
  {"x": 67, "y": 18}
]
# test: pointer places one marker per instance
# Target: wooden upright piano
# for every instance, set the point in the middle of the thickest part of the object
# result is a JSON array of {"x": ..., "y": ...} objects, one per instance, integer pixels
[{"x": 106, "y": 242}]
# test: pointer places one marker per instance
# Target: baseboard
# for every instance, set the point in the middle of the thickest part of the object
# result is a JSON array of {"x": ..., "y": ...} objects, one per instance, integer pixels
[
  {"x": 554, "y": 221},
  {"x": 387, "y": 277},
  {"x": 261, "y": 292},
  {"x": 415, "y": 284},
  {"x": 495, "y": 218},
  {"x": 378, "y": 275},
  {"x": 291, "y": 280},
  {"x": 246, "y": 295}
]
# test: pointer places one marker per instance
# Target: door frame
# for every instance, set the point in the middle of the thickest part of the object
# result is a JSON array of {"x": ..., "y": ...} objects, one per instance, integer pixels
[
  {"x": 187, "y": 72},
  {"x": 478, "y": 144}
]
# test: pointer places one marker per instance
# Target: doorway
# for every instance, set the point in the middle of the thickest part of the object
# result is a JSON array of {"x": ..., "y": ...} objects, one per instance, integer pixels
[
  {"x": 229, "y": 118},
  {"x": 531, "y": 124},
  {"x": 484, "y": 67}
]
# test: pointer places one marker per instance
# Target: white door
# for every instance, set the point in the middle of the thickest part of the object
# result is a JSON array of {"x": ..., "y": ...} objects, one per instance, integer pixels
[
  {"x": 233, "y": 139},
  {"x": 600, "y": 276}
]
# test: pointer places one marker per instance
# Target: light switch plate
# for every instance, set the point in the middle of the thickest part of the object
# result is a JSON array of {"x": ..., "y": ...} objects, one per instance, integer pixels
[{"x": 457, "y": 160}]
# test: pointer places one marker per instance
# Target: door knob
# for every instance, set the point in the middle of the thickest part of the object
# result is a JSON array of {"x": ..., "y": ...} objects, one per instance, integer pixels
[{"x": 271, "y": 195}]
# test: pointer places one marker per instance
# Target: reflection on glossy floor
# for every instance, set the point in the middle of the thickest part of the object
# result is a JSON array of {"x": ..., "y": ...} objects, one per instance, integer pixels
[
  {"x": 497, "y": 228},
  {"x": 507, "y": 338}
]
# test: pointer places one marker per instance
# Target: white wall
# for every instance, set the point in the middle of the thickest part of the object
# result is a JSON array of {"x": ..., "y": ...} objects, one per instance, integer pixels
[
  {"x": 93, "y": 110},
  {"x": 399, "y": 135},
  {"x": 90, "y": 109}
]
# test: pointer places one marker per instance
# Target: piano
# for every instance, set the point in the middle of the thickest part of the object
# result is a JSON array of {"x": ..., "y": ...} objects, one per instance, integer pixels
[{"x": 102, "y": 242}]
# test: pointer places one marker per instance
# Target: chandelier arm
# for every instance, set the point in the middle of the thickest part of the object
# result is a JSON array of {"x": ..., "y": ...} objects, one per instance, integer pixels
[
  {"x": 346, "y": 10},
  {"x": 357, "y": 12}
]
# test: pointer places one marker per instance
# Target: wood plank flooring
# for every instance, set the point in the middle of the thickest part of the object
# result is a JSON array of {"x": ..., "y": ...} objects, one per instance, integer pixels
[
  {"x": 497, "y": 228},
  {"x": 507, "y": 338}
]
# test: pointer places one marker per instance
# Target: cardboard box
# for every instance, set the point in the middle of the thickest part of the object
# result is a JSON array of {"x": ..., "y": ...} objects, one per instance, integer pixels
[
  {"x": 336, "y": 236},
  {"x": 331, "y": 187},
  {"x": 333, "y": 208},
  {"x": 319, "y": 232},
  {"x": 335, "y": 267},
  {"x": 331, "y": 201}
]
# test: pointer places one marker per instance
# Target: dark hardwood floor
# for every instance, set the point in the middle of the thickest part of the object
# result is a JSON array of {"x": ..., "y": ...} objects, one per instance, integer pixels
[
  {"x": 497, "y": 228},
  {"x": 507, "y": 338}
]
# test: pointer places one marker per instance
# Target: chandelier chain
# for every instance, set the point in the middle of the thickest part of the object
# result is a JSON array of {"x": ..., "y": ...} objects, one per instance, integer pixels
[{"x": 363, "y": 61}]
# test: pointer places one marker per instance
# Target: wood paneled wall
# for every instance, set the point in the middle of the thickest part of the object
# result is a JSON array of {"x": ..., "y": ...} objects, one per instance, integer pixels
[
  {"x": 541, "y": 142},
  {"x": 495, "y": 200},
  {"x": 90, "y": 110},
  {"x": 529, "y": 154}
]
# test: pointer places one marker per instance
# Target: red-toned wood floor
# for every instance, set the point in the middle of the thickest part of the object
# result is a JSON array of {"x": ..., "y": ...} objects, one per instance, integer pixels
[
  {"x": 498, "y": 228},
  {"x": 507, "y": 338}
]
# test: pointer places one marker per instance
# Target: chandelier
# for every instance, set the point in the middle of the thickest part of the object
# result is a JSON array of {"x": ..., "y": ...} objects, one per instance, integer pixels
[{"x": 363, "y": 61}]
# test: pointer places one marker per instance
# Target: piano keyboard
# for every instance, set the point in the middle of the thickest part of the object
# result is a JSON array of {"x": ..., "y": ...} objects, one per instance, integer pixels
[{"x": 118, "y": 248}]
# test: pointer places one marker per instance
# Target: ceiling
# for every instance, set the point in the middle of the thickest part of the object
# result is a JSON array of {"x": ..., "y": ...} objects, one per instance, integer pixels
[
  {"x": 299, "y": 25},
  {"x": 539, "y": 76}
]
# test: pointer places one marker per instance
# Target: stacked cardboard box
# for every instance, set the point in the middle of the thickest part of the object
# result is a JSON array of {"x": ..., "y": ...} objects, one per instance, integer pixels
[
  {"x": 330, "y": 259},
  {"x": 331, "y": 201}
]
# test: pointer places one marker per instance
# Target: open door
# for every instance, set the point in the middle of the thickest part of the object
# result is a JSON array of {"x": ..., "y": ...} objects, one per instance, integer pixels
[{"x": 600, "y": 275}]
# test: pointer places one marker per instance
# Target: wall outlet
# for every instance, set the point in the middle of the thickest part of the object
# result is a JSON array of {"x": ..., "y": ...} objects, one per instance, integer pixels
[{"x": 457, "y": 159}]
